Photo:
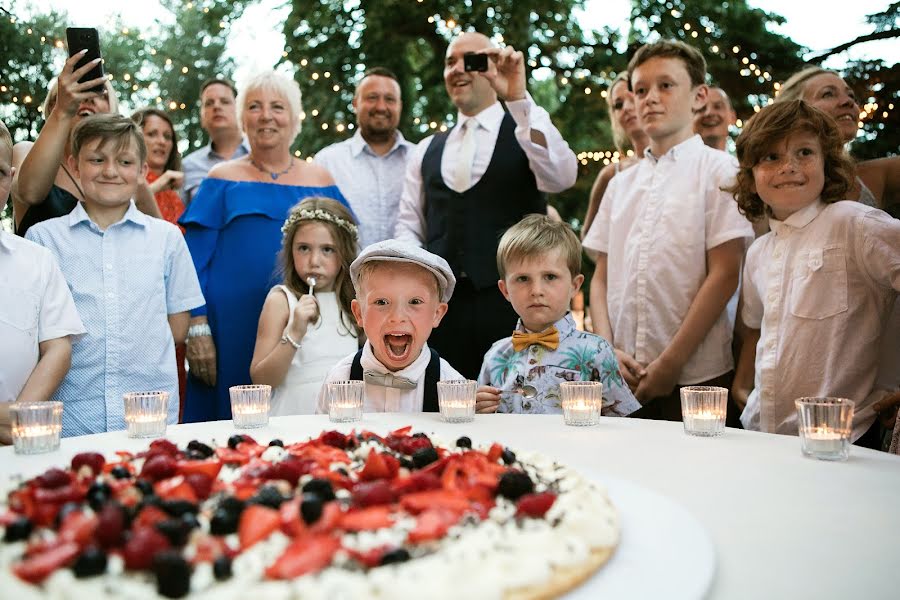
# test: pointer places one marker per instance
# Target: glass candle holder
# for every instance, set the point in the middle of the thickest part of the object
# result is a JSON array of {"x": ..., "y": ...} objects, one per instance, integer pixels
[
  {"x": 456, "y": 400},
  {"x": 345, "y": 400},
  {"x": 825, "y": 425},
  {"x": 703, "y": 410},
  {"x": 250, "y": 405},
  {"x": 145, "y": 413},
  {"x": 35, "y": 426},
  {"x": 581, "y": 402}
]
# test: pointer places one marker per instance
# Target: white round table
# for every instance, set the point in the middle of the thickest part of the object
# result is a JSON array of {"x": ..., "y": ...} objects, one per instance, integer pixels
[{"x": 782, "y": 525}]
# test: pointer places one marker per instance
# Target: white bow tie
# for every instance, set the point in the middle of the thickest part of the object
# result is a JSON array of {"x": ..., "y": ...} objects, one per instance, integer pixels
[{"x": 389, "y": 380}]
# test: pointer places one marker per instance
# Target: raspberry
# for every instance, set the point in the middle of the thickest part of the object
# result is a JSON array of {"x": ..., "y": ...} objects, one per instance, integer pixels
[
  {"x": 514, "y": 484},
  {"x": 92, "y": 459},
  {"x": 335, "y": 439},
  {"x": 411, "y": 445},
  {"x": 110, "y": 526},
  {"x": 535, "y": 505},
  {"x": 162, "y": 447},
  {"x": 372, "y": 493},
  {"x": 52, "y": 479},
  {"x": 160, "y": 466},
  {"x": 144, "y": 545},
  {"x": 201, "y": 484}
]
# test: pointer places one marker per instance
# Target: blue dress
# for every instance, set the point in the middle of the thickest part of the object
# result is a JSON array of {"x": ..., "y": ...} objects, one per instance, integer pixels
[{"x": 233, "y": 230}]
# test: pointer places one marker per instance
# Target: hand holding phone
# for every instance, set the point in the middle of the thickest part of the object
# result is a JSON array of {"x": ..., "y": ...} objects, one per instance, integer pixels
[
  {"x": 475, "y": 62},
  {"x": 86, "y": 38}
]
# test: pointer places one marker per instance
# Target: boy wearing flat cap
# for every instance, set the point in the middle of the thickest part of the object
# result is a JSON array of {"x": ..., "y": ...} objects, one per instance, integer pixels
[{"x": 401, "y": 295}]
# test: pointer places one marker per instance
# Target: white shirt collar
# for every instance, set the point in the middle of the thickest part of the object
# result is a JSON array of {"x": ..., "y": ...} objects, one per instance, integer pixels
[
  {"x": 490, "y": 118},
  {"x": 413, "y": 372},
  {"x": 79, "y": 215},
  {"x": 358, "y": 143},
  {"x": 799, "y": 219},
  {"x": 684, "y": 149}
]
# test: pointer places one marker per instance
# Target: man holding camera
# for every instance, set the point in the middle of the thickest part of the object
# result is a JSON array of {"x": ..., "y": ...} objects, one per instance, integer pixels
[{"x": 465, "y": 187}]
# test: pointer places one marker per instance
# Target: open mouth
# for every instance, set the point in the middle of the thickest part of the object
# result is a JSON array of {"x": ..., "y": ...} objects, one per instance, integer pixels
[{"x": 398, "y": 345}]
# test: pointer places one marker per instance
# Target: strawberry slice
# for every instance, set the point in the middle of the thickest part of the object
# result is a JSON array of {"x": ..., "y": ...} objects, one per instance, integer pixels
[
  {"x": 208, "y": 549},
  {"x": 36, "y": 568},
  {"x": 417, "y": 481},
  {"x": 402, "y": 431},
  {"x": 231, "y": 457},
  {"x": 149, "y": 517},
  {"x": 256, "y": 524},
  {"x": 78, "y": 527},
  {"x": 292, "y": 524},
  {"x": 420, "y": 502},
  {"x": 142, "y": 546},
  {"x": 433, "y": 525},
  {"x": 369, "y": 558},
  {"x": 371, "y": 493},
  {"x": 495, "y": 452},
  {"x": 379, "y": 466},
  {"x": 535, "y": 505},
  {"x": 175, "y": 488},
  {"x": 305, "y": 555},
  {"x": 331, "y": 517},
  {"x": 367, "y": 519},
  {"x": 210, "y": 467}
]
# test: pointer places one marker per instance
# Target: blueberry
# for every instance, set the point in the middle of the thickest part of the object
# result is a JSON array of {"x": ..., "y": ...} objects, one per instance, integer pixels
[
  {"x": 342, "y": 471},
  {"x": 173, "y": 574},
  {"x": 406, "y": 463},
  {"x": 419, "y": 434},
  {"x": 277, "y": 442},
  {"x": 176, "y": 508},
  {"x": 424, "y": 457},
  {"x": 514, "y": 484},
  {"x": 120, "y": 472},
  {"x": 98, "y": 494},
  {"x": 190, "y": 519},
  {"x": 151, "y": 500},
  {"x": 194, "y": 455},
  {"x": 89, "y": 563},
  {"x": 18, "y": 530},
  {"x": 223, "y": 522},
  {"x": 222, "y": 568},
  {"x": 508, "y": 456},
  {"x": 144, "y": 486},
  {"x": 175, "y": 530},
  {"x": 464, "y": 442},
  {"x": 311, "y": 508},
  {"x": 200, "y": 448},
  {"x": 234, "y": 440},
  {"x": 268, "y": 496},
  {"x": 321, "y": 488},
  {"x": 232, "y": 505},
  {"x": 397, "y": 555}
]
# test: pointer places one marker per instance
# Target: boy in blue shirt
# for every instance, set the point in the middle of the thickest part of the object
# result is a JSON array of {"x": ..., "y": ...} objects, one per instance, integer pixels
[
  {"x": 131, "y": 276},
  {"x": 539, "y": 261}
]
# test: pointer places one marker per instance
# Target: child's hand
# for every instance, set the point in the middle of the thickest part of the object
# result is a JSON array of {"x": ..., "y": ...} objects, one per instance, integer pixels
[
  {"x": 306, "y": 311},
  {"x": 632, "y": 371},
  {"x": 886, "y": 409},
  {"x": 487, "y": 399},
  {"x": 659, "y": 380}
]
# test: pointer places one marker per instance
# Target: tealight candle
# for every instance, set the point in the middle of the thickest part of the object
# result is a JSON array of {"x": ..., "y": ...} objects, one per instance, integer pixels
[
  {"x": 145, "y": 413},
  {"x": 35, "y": 426},
  {"x": 456, "y": 400},
  {"x": 250, "y": 405},
  {"x": 345, "y": 400},
  {"x": 703, "y": 410},
  {"x": 825, "y": 425},
  {"x": 581, "y": 402}
]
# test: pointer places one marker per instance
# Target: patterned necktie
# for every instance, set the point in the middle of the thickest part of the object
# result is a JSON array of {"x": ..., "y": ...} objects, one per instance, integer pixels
[
  {"x": 463, "y": 171},
  {"x": 548, "y": 338},
  {"x": 388, "y": 380}
]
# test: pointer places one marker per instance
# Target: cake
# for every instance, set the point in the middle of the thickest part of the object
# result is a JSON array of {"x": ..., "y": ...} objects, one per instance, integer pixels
[{"x": 353, "y": 515}]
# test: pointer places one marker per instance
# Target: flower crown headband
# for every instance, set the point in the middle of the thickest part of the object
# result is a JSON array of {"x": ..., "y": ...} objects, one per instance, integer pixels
[{"x": 319, "y": 215}]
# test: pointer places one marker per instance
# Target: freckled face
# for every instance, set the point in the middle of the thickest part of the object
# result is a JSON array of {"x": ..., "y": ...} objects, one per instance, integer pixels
[{"x": 791, "y": 175}]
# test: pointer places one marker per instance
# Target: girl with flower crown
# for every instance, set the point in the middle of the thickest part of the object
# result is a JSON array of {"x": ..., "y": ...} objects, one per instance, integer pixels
[{"x": 306, "y": 325}]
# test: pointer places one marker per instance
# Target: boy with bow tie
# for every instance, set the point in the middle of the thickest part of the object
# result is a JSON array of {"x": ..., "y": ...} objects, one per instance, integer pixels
[
  {"x": 539, "y": 261},
  {"x": 401, "y": 295}
]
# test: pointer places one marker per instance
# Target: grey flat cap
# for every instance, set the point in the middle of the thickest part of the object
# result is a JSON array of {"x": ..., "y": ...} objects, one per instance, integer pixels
[{"x": 397, "y": 251}]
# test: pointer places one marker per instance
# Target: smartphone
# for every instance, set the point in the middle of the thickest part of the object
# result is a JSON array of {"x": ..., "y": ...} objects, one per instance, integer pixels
[
  {"x": 475, "y": 62},
  {"x": 81, "y": 38}
]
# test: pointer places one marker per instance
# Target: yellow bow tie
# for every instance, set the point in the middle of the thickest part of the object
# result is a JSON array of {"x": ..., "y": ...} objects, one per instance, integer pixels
[{"x": 548, "y": 338}]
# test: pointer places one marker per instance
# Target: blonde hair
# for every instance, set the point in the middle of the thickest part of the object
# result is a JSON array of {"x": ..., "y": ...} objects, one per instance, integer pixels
[
  {"x": 106, "y": 128},
  {"x": 6, "y": 140},
  {"x": 620, "y": 138},
  {"x": 691, "y": 57},
  {"x": 537, "y": 235},
  {"x": 53, "y": 93},
  {"x": 330, "y": 213},
  {"x": 270, "y": 81},
  {"x": 793, "y": 88}
]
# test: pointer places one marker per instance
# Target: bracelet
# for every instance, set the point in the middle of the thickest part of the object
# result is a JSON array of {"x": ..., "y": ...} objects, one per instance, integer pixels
[
  {"x": 286, "y": 339},
  {"x": 199, "y": 330}
]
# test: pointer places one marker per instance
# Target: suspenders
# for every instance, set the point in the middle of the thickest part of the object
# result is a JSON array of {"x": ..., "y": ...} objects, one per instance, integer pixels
[{"x": 432, "y": 376}]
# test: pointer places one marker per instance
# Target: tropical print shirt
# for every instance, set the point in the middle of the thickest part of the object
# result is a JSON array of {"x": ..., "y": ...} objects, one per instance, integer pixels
[{"x": 581, "y": 356}]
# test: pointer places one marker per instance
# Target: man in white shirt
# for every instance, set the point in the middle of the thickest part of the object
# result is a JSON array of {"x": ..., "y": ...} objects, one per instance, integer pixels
[
  {"x": 464, "y": 188},
  {"x": 670, "y": 243},
  {"x": 401, "y": 295},
  {"x": 218, "y": 118},
  {"x": 369, "y": 167}
]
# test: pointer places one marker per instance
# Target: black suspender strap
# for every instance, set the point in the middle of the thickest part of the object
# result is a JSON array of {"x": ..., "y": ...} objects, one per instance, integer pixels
[
  {"x": 432, "y": 376},
  {"x": 356, "y": 370}
]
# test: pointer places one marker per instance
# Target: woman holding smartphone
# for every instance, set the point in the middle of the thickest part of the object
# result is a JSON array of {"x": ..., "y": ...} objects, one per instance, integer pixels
[{"x": 44, "y": 186}]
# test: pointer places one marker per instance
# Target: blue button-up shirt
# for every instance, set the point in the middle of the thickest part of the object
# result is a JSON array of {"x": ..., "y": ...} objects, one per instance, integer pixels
[
  {"x": 197, "y": 164},
  {"x": 125, "y": 280},
  {"x": 372, "y": 184}
]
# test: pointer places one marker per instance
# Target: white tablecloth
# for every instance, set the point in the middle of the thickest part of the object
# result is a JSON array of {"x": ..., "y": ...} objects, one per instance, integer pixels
[{"x": 783, "y": 526}]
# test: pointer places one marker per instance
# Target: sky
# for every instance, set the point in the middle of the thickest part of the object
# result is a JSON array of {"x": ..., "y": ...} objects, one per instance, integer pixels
[{"x": 256, "y": 41}]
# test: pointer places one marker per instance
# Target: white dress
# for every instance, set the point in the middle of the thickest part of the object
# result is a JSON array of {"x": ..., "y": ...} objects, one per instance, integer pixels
[{"x": 325, "y": 343}]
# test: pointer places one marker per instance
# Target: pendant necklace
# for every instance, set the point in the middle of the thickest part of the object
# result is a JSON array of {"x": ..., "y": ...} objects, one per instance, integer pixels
[{"x": 271, "y": 174}]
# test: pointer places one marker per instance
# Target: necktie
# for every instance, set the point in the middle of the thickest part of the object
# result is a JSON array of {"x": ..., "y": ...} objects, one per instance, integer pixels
[
  {"x": 388, "y": 380},
  {"x": 548, "y": 338},
  {"x": 466, "y": 156}
]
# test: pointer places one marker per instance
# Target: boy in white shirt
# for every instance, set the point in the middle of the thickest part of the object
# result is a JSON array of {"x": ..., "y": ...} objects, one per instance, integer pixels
[
  {"x": 401, "y": 295},
  {"x": 670, "y": 242},
  {"x": 37, "y": 313},
  {"x": 820, "y": 286}
]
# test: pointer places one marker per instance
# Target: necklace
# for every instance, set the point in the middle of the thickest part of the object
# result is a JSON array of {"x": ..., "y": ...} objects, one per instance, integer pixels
[{"x": 272, "y": 174}]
